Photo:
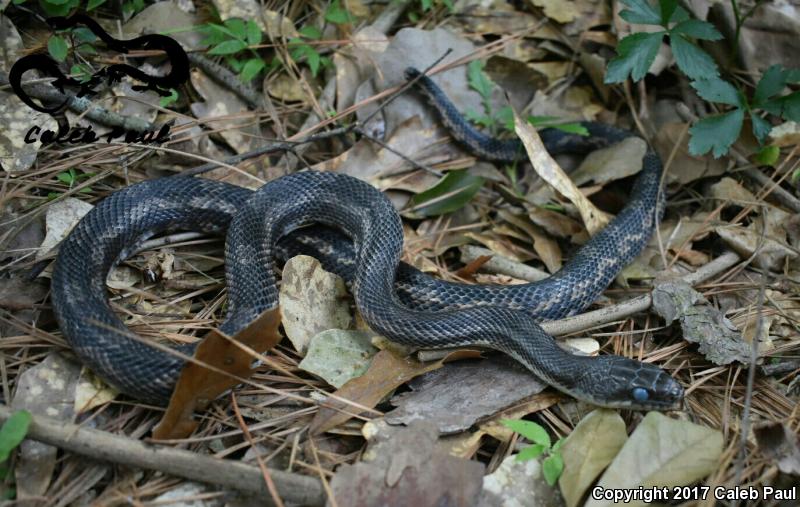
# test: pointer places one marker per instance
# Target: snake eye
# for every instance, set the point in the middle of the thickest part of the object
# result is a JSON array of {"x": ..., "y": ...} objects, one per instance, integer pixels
[{"x": 640, "y": 394}]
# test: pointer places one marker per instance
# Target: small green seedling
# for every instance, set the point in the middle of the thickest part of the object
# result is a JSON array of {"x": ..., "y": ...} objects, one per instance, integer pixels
[
  {"x": 553, "y": 464},
  {"x": 12, "y": 433}
]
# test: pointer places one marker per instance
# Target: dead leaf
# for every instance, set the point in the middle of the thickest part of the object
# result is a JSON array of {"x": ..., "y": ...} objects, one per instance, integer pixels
[
  {"x": 338, "y": 356},
  {"x": 765, "y": 235},
  {"x": 408, "y": 469},
  {"x": 458, "y": 395},
  {"x": 312, "y": 301},
  {"x": 198, "y": 385},
  {"x": 611, "y": 163},
  {"x": 729, "y": 190},
  {"x": 684, "y": 168},
  {"x": 662, "y": 452},
  {"x": 20, "y": 294},
  {"x": 46, "y": 389},
  {"x": 588, "y": 450},
  {"x": 779, "y": 443},
  {"x": 549, "y": 170},
  {"x": 386, "y": 373},
  {"x": 62, "y": 216},
  {"x": 91, "y": 392},
  {"x": 720, "y": 341}
]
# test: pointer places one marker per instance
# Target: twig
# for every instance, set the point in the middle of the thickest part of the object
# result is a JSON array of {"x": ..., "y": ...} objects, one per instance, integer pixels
[
  {"x": 264, "y": 150},
  {"x": 221, "y": 75},
  {"x": 82, "y": 105},
  {"x": 619, "y": 311},
  {"x": 501, "y": 265},
  {"x": 627, "y": 308},
  {"x": 119, "y": 449}
]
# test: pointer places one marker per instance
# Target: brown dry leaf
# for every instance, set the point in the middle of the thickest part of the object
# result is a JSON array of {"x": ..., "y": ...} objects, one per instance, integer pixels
[
  {"x": 684, "y": 168},
  {"x": 386, "y": 373},
  {"x": 500, "y": 246},
  {"x": 408, "y": 468},
  {"x": 779, "y": 443},
  {"x": 312, "y": 301},
  {"x": 558, "y": 225},
  {"x": 20, "y": 294},
  {"x": 46, "y": 389},
  {"x": 550, "y": 171},
  {"x": 588, "y": 450},
  {"x": 612, "y": 163},
  {"x": 199, "y": 385},
  {"x": 662, "y": 452},
  {"x": 557, "y": 10},
  {"x": 338, "y": 356},
  {"x": 732, "y": 192},
  {"x": 719, "y": 339},
  {"x": 62, "y": 216},
  {"x": 459, "y": 394},
  {"x": 278, "y": 26},
  {"x": 286, "y": 88},
  {"x": 765, "y": 236}
]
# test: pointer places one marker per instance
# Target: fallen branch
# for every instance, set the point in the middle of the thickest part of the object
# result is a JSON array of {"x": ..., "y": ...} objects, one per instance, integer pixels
[
  {"x": 122, "y": 450},
  {"x": 627, "y": 308}
]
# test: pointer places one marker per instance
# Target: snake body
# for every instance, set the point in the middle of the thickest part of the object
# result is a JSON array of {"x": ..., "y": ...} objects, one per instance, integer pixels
[{"x": 396, "y": 300}]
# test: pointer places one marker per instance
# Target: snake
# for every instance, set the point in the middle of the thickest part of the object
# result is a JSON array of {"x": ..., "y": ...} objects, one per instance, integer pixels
[{"x": 355, "y": 231}]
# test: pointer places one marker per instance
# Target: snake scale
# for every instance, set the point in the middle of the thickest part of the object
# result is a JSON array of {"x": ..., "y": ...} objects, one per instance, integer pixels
[{"x": 356, "y": 232}]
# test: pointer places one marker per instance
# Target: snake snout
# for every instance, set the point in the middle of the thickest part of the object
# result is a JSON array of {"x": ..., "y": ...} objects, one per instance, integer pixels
[
  {"x": 411, "y": 73},
  {"x": 640, "y": 386}
]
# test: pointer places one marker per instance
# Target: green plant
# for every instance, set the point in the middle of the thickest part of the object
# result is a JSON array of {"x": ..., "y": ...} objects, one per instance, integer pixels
[
  {"x": 337, "y": 14},
  {"x": 301, "y": 49},
  {"x": 553, "y": 464},
  {"x": 716, "y": 133},
  {"x": 480, "y": 82},
  {"x": 12, "y": 433},
  {"x": 232, "y": 37},
  {"x": 71, "y": 177}
]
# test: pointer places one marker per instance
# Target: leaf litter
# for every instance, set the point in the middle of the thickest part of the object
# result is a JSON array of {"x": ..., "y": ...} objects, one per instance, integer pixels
[{"x": 711, "y": 205}]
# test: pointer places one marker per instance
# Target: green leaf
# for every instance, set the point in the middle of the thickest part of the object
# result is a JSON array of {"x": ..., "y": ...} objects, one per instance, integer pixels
[
  {"x": 69, "y": 177},
  {"x": 83, "y": 34},
  {"x": 169, "y": 99},
  {"x": 313, "y": 61},
  {"x": 451, "y": 193},
  {"x": 771, "y": 83},
  {"x": 761, "y": 128},
  {"x": 57, "y": 47},
  {"x": 552, "y": 467},
  {"x": 311, "y": 32},
  {"x": 480, "y": 119},
  {"x": 698, "y": 29},
  {"x": 336, "y": 14},
  {"x": 253, "y": 33},
  {"x": 551, "y": 122},
  {"x": 716, "y": 133},
  {"x": 94, "y": 4},
  {"x": 693, "y": 61},
  {"x": 667, "y": 8},
  {"x": 251, "y": 69},
  {"x": 426, "y": 5},
  {"x": 679, "y": 15},
  {"x": 791, "y": 107},
  {"x": 636, "y": 54},
  {"x": 228, "y": 47},
  {"x": 557, "y": 446},
  {"x": 529, "y": 429},
  {"x": 531, "y": 452},
  {"x": 478, "y": 80},
  {"x": 640, "y": 11},
  {"x": 768, "y": 155},
  {"x": 13, "y": 432},
  {"x": 718, "y": 90},
  {"x": 237, "y": 27}
]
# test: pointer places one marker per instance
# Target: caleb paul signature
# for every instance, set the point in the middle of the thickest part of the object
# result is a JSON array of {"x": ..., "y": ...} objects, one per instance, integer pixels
[{"x": 112, "y": 74}]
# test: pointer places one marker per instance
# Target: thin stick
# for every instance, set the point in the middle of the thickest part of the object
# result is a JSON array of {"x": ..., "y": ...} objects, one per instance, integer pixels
[
  {"x": 104, "y": 446},
  {"x": 627, "y": 308}
]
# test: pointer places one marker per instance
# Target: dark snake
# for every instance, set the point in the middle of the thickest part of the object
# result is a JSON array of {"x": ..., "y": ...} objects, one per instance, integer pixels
[{"x": 356, "y": 232}]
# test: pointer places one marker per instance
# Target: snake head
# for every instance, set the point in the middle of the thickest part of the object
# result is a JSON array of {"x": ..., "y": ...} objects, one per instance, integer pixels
[{"x": 638, "y": 386}]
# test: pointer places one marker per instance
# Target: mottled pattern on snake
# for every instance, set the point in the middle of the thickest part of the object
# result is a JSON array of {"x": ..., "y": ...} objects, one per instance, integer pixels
[{"x": 498, "y": 317}]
